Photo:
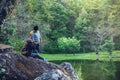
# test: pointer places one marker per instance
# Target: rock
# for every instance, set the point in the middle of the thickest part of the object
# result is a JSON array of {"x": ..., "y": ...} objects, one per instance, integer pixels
[
  {"x": 53, "y": 75},
  {"x": 68, "y": 67},
  {"x": 59, "y": 75},
  {"x": 18, "y": 67},
  {"x": 5, "y": 48}
]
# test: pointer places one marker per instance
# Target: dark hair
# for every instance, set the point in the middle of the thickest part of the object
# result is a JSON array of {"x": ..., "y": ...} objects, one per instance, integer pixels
[{"x": 35, "y": 27}]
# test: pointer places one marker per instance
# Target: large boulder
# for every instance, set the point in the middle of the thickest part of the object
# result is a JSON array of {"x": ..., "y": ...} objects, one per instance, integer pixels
[
  {"x": 53, "y": 75},
  {"x": 68, "y": 67},
  {"x": 58, "y": 74},
  {"x": 18, "y": 67}
]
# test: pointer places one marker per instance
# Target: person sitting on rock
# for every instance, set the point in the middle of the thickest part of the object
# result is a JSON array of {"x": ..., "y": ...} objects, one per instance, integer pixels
[{"x": 31, "y": 50}]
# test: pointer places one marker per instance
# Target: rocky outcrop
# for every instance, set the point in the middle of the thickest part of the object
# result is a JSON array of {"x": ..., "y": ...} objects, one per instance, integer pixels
[
  {"x": 68, "y": 67},
  {"x": 18, "y": 67},
  {"x": 5, "y": 48},
  {"x": 53, "y": 75},
  {"x": 58, "y": 74}
]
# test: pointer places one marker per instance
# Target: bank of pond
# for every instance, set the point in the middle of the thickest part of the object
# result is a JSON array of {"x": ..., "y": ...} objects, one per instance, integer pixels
[{"x": 95, "y": 69}]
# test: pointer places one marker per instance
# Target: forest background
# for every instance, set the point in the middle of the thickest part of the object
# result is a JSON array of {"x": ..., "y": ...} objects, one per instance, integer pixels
[{"x": 66, "y": 26}]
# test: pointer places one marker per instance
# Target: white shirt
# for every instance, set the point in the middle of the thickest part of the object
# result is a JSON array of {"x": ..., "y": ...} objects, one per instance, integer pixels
[{"x": 36, "y": 36}]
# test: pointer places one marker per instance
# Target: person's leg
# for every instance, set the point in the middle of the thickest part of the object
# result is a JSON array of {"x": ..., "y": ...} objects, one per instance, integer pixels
[
  {"x": 36, "y": 55},
  {"x": 39, "y": 57},
  {"x": 38, "y": 47}
]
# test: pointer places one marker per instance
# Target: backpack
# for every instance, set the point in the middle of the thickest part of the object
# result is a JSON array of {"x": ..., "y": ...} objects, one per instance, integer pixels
[
  {"x": 24, "y": 51},
  {"x": 31, "y": 32},
  {"x": 28, "y": 49}
]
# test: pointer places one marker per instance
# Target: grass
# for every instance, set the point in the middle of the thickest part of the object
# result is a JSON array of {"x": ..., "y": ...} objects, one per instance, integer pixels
[
  {"x": 103, "y": 56},
  {"x": 87, "y": 67}
]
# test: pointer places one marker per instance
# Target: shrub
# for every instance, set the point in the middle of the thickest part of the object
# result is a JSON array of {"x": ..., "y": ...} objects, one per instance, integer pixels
[
  {"x": 70, "y": 45},
  {"x": 50, "y": 47},
  {"x": 107, "y": 46},
  {"x": 86, "y": 46},
  {"x": 17, "y": 44}
]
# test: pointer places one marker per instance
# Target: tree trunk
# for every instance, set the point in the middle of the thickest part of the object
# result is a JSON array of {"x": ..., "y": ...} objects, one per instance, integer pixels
[{"x": 6, "y": 8}]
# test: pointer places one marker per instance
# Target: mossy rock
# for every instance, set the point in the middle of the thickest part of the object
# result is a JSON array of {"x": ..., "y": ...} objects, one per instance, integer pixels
[{"x": 5, "y": 48}]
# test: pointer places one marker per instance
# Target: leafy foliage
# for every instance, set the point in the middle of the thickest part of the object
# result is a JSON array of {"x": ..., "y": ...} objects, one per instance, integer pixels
[
  {"x": 70, "y": 45},
  {"x": 17, "y": 44},
  {"x": 63, "y": 18},
  {"x": 108, "y": 46}
]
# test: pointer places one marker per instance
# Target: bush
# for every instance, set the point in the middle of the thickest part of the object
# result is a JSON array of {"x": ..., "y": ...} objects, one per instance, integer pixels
[
  {"x": 107, "y": 46},
  {"x": 70, "y": 45},
  {"x": 50, "y": 47},
  {"x": 86, "y": 46},
  {"x": 17, "y": 44}
]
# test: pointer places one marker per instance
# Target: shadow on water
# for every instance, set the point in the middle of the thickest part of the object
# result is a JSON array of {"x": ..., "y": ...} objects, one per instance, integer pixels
[{"x": 95, "y": 70}]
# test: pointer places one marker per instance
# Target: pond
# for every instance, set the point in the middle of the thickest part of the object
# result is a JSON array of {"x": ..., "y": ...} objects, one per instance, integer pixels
[{"x": 95, "y": 70}]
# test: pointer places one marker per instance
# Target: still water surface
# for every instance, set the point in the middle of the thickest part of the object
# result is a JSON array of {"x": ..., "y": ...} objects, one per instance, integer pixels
[{"x": 95, "y": 70}]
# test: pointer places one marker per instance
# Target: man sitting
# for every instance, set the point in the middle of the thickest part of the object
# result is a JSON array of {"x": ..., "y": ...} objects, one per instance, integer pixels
[{"x": 30, "y": 50}]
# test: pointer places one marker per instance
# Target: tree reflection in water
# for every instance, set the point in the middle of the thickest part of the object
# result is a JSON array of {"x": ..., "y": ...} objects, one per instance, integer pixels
[
  {"x": 99, "y": 71},
  {"x": 95, "y": 70}
]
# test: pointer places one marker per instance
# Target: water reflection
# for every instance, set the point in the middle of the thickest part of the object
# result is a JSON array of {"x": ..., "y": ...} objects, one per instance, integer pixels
[
  {"x": 98, "y": 71},
  {"x": 95, "y": 70}
]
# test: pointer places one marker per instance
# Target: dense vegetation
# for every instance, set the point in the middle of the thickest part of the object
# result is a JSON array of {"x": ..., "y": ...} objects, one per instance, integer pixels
[{"x": 71, "y": 26}]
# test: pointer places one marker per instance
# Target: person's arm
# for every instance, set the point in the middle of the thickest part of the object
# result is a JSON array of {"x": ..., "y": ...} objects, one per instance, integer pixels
[{"x": 40, "y": 37}]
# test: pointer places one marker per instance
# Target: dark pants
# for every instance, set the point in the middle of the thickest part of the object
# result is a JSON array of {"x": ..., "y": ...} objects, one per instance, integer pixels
[
  {"x": 38, "y": 47},
  {"x": 37, "y": 56}
]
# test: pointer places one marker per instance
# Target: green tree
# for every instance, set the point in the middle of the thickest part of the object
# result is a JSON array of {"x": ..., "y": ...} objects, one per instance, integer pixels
[
  {"x": 63, "y": 18},
  {"x": 69, "y": 45},
  {"x": 108, "y": 46}
]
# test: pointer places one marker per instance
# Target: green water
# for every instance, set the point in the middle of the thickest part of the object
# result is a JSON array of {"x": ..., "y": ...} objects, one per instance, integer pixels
[{"x": 95, "y": 70}]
